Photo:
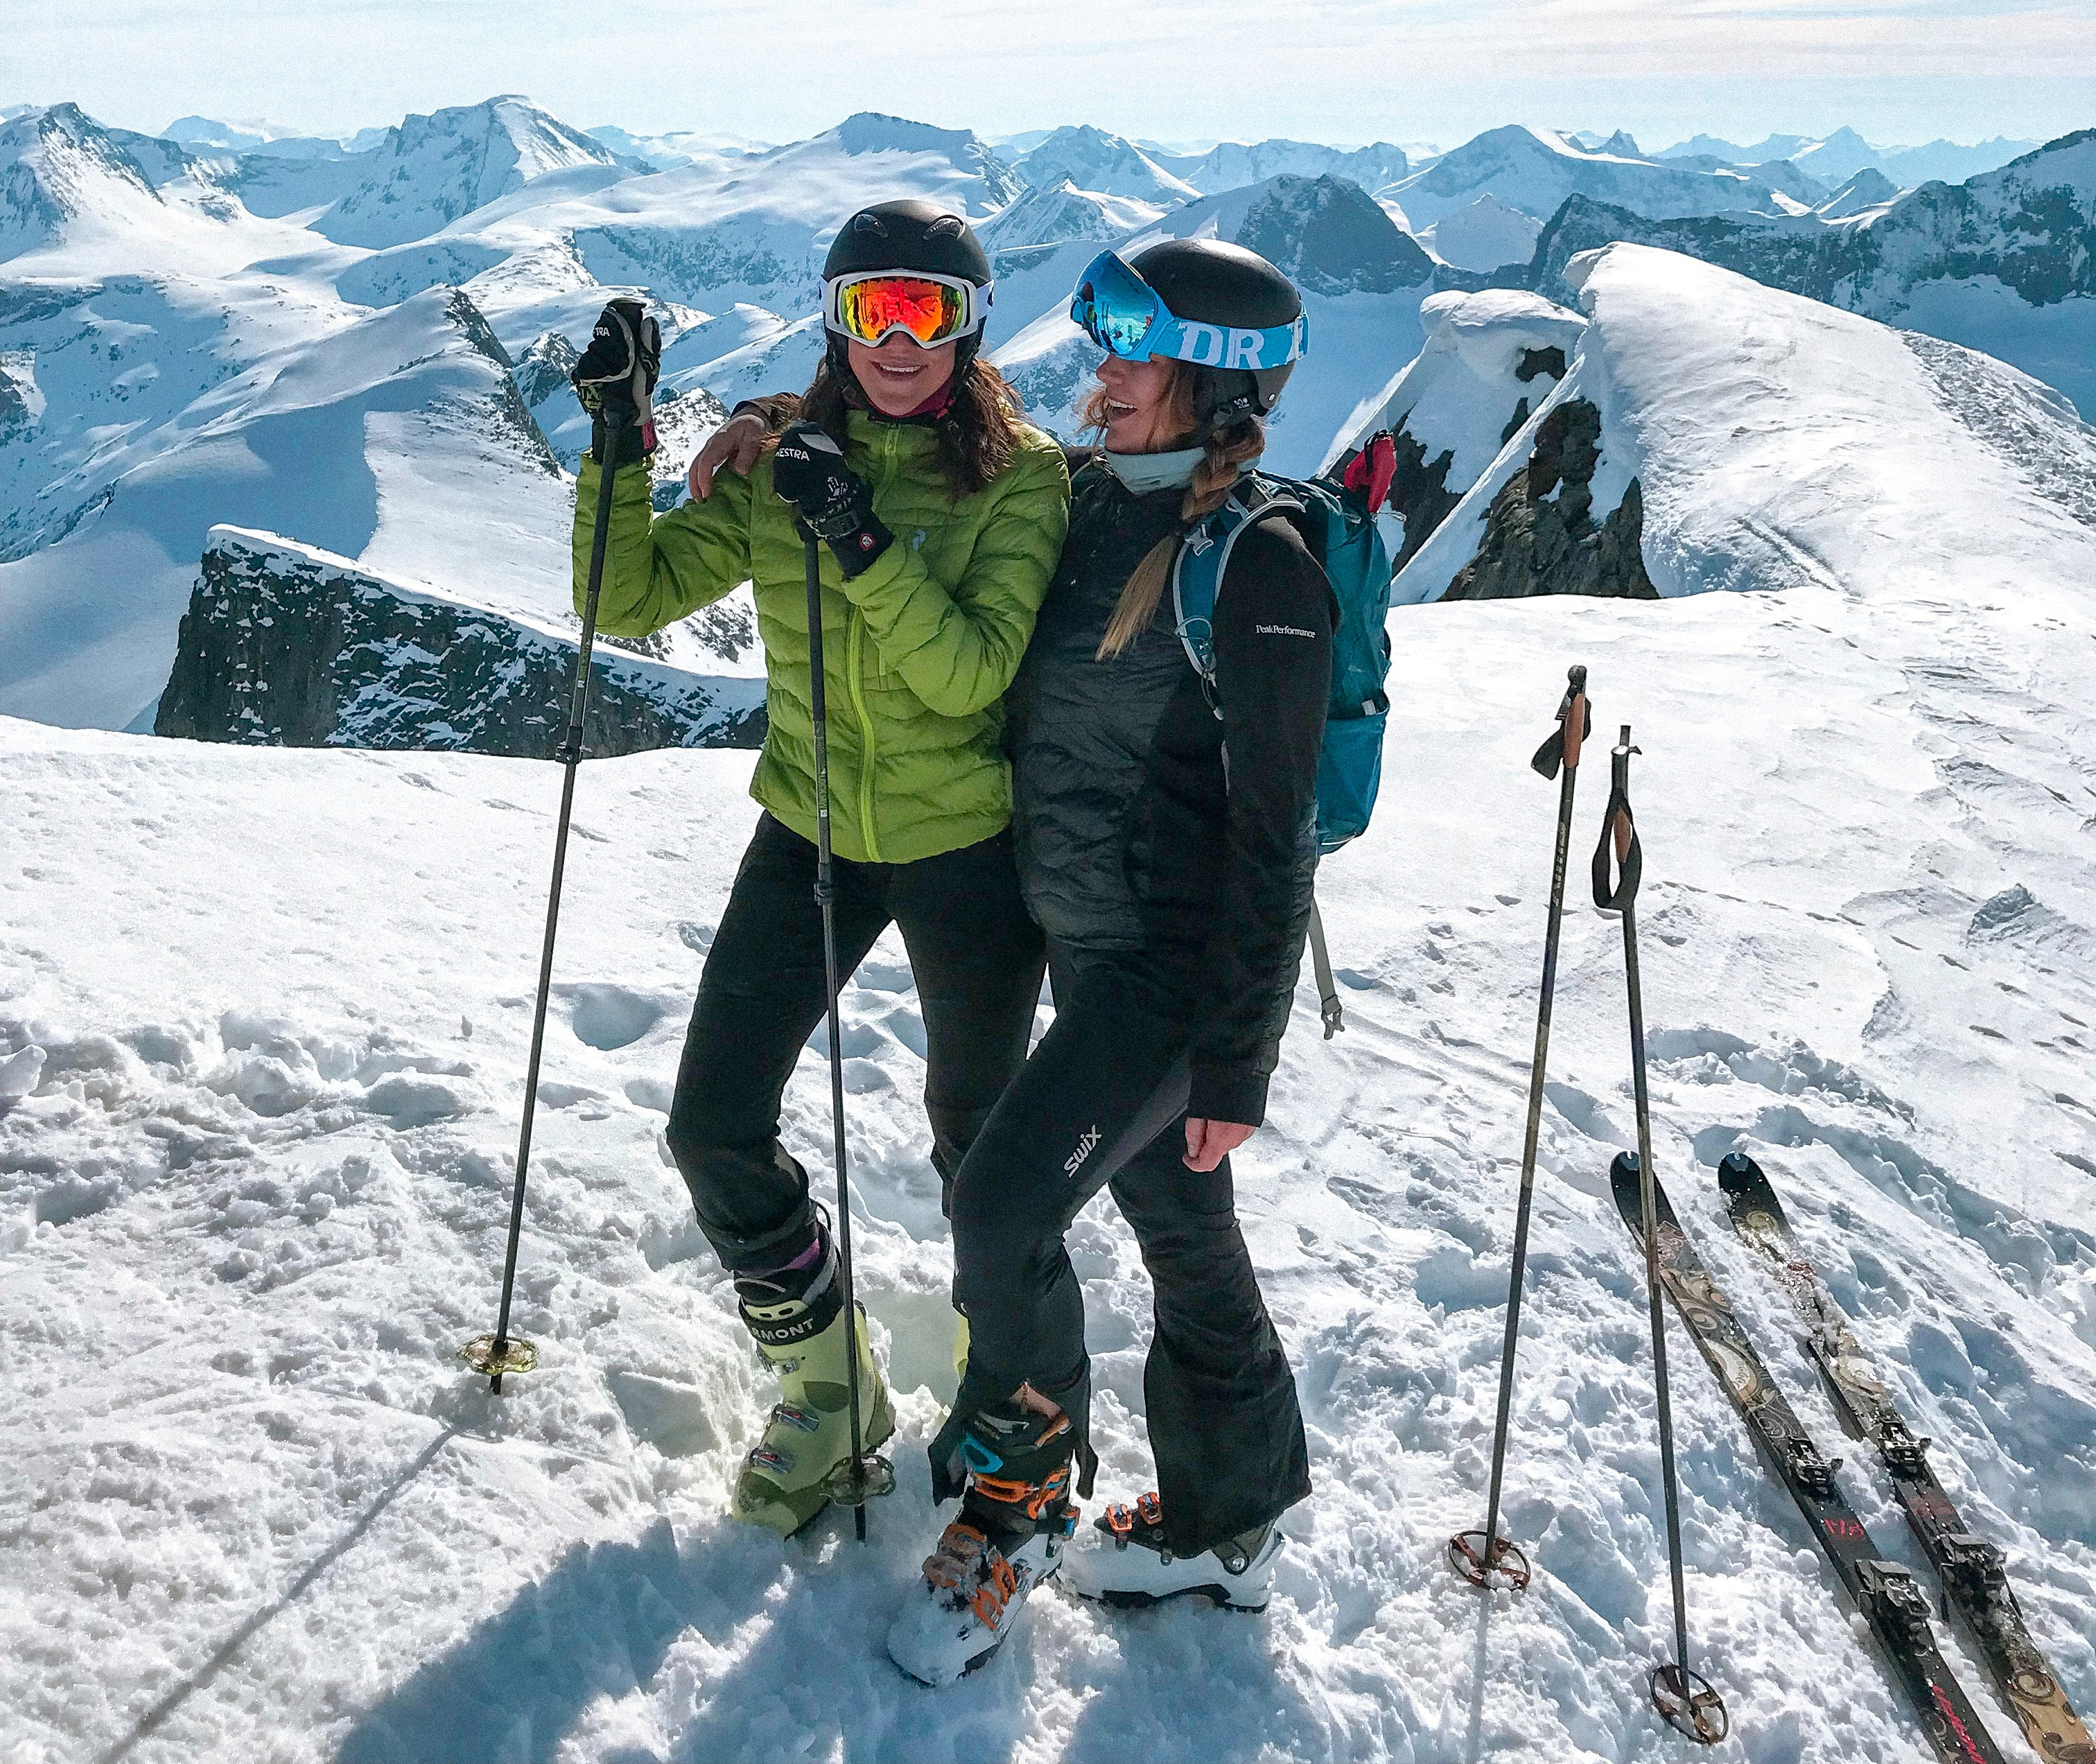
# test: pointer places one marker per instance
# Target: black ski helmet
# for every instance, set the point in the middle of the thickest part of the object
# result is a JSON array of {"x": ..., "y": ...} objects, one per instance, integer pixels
[
  {"x": 909, "y": 234},
  {"x": 1213, "y": 282}
]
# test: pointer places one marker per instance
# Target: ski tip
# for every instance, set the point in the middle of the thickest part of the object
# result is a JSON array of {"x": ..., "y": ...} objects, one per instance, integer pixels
[
  {"x": 1737, "y": 1172},
  {"x": 1745, "y": 1183},
  {"x": 1627, "y": 1181},
  {"x": 1623, "y": 1180}
]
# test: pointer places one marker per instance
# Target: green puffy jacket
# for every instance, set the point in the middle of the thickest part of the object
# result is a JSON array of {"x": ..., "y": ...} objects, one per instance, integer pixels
[{"x": 916, "y": 653}]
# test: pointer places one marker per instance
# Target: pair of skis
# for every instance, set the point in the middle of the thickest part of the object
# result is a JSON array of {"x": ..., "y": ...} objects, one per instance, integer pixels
[{"x": 1969, "y": 1568}]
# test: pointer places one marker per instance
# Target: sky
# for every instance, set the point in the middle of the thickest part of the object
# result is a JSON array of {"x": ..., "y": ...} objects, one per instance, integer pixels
[{"x": 1342, "y": 70}]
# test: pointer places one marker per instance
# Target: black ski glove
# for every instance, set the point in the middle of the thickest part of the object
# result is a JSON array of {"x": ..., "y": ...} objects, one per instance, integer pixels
[
  {"x": 831, "y": 500},
  {"x": 619, "y": 368}
]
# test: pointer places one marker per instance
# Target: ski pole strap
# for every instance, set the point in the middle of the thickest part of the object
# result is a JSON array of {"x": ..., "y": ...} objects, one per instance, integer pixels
[
  {"x": 1575, "y": 723},
  {"x": 1619, "y": 859},
  {"x": 1328, "y": 991}
]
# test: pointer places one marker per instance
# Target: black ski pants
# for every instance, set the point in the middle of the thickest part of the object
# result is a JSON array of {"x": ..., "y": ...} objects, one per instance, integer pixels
[
  {"x": 1102, "y": 1103},
  {"x": 977, "y": 960}
]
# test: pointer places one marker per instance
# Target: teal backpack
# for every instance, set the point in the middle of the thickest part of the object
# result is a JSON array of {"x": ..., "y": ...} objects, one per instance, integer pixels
[{"x": 1336, "y": 515}]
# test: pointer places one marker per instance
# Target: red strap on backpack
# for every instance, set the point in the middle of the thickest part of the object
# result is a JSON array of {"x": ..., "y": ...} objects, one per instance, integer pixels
[{"x": 1371, "y": 468}]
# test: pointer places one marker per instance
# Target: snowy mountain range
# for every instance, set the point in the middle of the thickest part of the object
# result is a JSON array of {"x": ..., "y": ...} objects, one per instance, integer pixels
[
  {"x": 362, "y": 344},
  {"x": 2004, "y": 263},
  {"x": 1840, "y": 155},
  {"x": 1536, "y": 170}
]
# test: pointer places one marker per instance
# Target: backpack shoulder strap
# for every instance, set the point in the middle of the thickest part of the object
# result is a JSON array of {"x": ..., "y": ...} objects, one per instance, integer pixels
[{"x": 1203, "y": 556}]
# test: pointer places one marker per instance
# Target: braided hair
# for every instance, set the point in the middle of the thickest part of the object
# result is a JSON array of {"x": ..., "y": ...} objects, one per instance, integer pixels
[{"x": 1224, "y": 450}]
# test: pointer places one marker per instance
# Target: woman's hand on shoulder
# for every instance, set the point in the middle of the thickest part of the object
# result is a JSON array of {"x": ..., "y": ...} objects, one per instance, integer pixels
[
  {"x": 1209, "y": 1142},
  {"x": 735, "y": 445}
]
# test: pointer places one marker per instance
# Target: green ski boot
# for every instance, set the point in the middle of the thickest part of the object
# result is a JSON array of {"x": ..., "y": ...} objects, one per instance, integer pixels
[{"x": 783, "y": 1484}]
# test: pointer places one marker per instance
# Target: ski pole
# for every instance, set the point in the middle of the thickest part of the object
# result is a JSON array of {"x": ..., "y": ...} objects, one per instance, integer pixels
[
  {"x": 501, "y": 1352},
  {"x": 1684, "y": 1698},
  {"x": 868, "y": 1476},
  {"x": 1490, "y": 1552}
]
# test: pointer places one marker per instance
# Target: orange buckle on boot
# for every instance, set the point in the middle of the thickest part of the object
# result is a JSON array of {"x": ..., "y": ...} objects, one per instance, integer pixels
[
  {"x": 1150, "y": 1510},
  {"x": 1119, "y": 1520},
  {"x": 999, "y": 1583},
  {"x": 1031, "y": 1499},
  {"x": 960, "y": 1548}
]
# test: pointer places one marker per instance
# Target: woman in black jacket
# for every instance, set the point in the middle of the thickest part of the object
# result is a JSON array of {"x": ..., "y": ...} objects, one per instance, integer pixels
[{"x": 1165, "y": 828}]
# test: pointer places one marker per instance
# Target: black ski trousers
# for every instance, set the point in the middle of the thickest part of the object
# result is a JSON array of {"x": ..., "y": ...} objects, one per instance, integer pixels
[
  {"x": 977, "y": 960},
  {"x": 1102, "y": 1103}
]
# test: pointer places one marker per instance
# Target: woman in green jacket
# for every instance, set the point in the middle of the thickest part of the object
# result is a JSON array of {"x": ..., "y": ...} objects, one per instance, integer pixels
[{"x": 941, "y": 522}]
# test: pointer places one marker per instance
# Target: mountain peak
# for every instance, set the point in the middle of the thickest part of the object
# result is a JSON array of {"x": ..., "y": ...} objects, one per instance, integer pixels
[
  {"x": 875, "y": 132},
  {"x": 57, "y": 164},
  {"x": 1332, "y": 238},
  {"x": 433, "y": 169},
  {"x": 1093, "y": 160}
]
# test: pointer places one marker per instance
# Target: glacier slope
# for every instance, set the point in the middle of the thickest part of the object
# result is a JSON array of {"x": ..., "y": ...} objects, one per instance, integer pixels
[{"x": 399, "y": 440}]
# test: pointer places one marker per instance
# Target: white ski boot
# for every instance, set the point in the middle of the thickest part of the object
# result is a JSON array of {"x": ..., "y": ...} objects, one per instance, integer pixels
[
  {"x": 1130, "y": 1563},
  {"x": 1006, "y": 1541}
]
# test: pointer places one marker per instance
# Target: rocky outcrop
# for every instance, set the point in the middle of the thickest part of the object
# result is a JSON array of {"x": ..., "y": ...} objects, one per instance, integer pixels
[
  {"x": 1803, "y": 256},
  {"x": 1540, "y": 535},
  {"x": 284, "y": 645},
  {"x": 21, "y": 402},
  {"x": 1332, "y": 238},
  {"x": 1489, "y": 357},
  {"x": 544, "y": 370}
]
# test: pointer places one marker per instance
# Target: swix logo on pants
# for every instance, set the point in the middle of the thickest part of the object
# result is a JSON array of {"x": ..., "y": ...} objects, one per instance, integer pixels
[{"x": 1086, "y": 1142}]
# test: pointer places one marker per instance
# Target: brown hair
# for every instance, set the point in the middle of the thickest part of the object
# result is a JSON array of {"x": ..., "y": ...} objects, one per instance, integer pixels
[
  {"x": 978, "y": 431},
  {"x": 1227, "y": 448}
]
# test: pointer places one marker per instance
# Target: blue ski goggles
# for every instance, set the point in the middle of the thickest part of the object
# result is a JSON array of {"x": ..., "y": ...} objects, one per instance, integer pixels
[{"x": 1125, "y": 316}]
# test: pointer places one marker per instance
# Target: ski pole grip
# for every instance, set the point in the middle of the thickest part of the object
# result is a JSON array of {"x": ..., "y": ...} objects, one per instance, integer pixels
[
  {"x": 1619, "y": 858},
  {"x": 1576, "y": 720}
]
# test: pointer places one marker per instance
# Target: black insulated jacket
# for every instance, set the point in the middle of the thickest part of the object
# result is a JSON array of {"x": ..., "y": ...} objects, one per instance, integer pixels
[{"x": 1132, "y": 835}]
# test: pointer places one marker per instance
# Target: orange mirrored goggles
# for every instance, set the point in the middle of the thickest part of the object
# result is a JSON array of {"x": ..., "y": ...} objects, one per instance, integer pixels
[{"x": 931, "y": 309}]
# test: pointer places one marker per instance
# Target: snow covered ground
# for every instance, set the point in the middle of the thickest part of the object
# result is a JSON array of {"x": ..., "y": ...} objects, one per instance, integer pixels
[{"x": 263, "y": 1017}]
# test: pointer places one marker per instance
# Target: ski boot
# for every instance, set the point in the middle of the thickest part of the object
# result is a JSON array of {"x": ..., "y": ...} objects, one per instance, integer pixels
[
  {"x": 1008, "y": 1537},
  {"x": 804, "y": 1336},
  {"x": 1134, "y": 1566}
]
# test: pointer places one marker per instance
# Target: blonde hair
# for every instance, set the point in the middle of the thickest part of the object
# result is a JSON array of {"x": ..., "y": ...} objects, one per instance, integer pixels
[{"x": 1223, "y": 452}]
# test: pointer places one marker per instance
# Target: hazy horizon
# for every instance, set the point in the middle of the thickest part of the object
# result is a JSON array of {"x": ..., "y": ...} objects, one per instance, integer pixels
[
  {"x": 993, "y": 134},
  {"x": 1902, "y": 73}
]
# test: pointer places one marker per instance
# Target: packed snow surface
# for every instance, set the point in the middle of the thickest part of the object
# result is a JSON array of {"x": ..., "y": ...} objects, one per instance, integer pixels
[{"x": 264, "y": 1015}]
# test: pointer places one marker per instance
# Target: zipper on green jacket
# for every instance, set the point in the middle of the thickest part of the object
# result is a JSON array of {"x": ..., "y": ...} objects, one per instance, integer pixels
[{"x": 854, "y": 627}]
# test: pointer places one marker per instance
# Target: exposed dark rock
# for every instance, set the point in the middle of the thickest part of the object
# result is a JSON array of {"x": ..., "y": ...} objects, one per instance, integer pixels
[
  {"x": 286, "y": 646},
  {"x": 515, "y": 414},
  {"x": 1332, "y": 238},
  {"x": 1536, "y": 543},
  {"x": 1549, "y": 361},
  {"x": 545, "y": 368},
  {"x": 1806, "y": 257},
  {"x": 1514, "y": 423},
  {"x": 19, "y": 402}
]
